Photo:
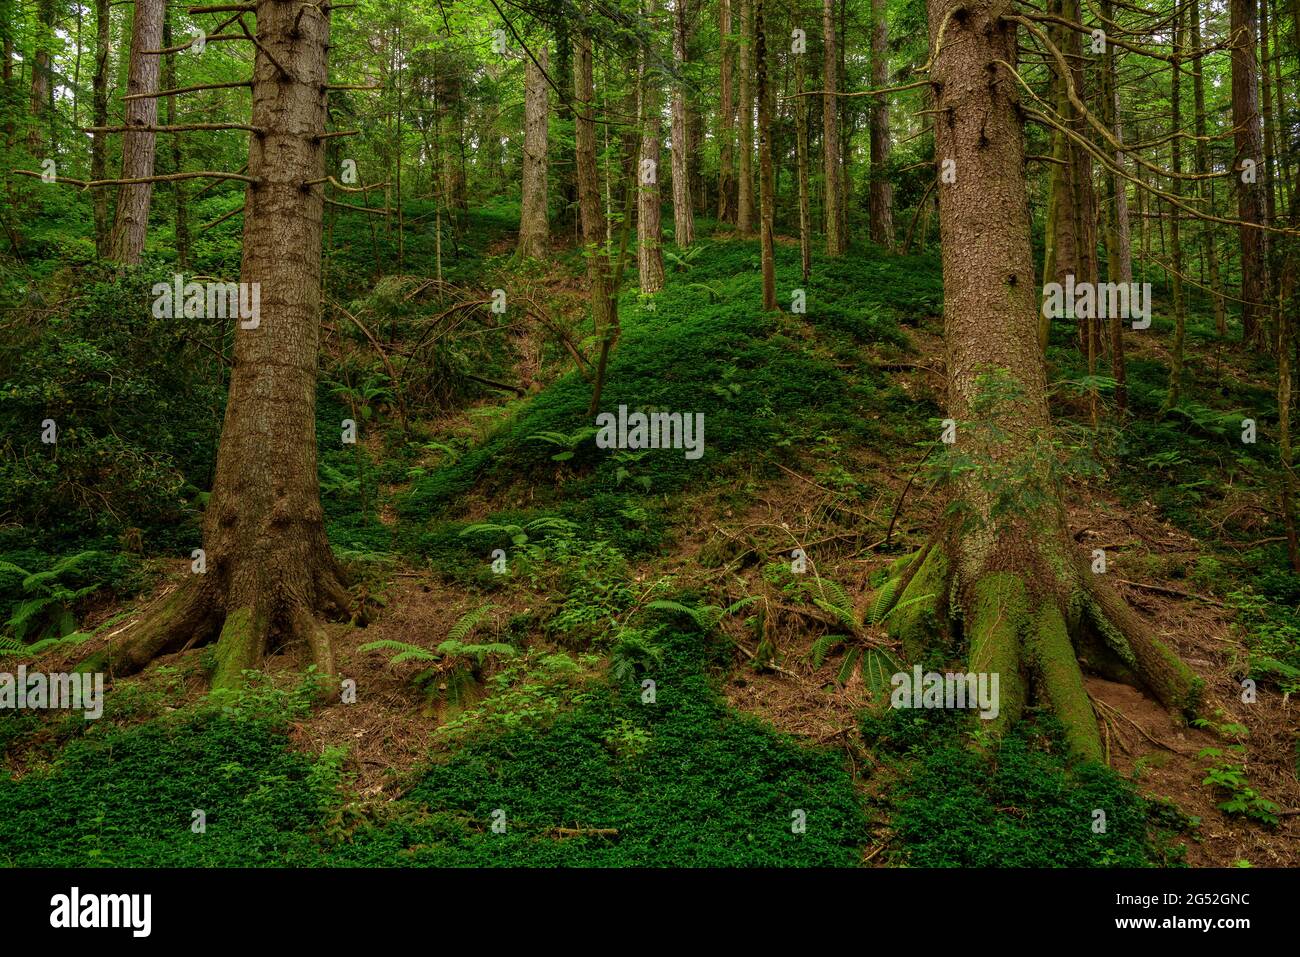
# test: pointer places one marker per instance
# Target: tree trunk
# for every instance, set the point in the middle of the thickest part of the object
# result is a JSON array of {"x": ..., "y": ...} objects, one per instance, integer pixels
[
  {"x": 766, "y": 184},
  {"x": 1249, "y": 145},
  {"x": 270, "y": 570},
  {"x": 99, "y": 141},
  {"x": 745, "y": 115},
  {"x": 1210, "y": 249},
  {"x": 1119, "y": 252},
  {"x": 1174, "y": 392},
  {"x": 178, "y": 186},
  {"x": 683, "y": 209},
  {"x": 1266, "y": 118},
  {"x": 881, "y": 195},
  {"x": 41, "y": 67},
  {"x": 534, "y": 233},
  {"x": 1003, "y": 563},
  {"x": 604, "y": 314},
  {"x": 801, "y": 151},
  {"x": 834, "y": 190},
  {"x": 1076, "y": 204},
  {"x": 132, "y": 223},
  {"x": 726, "y": 120},
  {"x": 649, "y": 220}
]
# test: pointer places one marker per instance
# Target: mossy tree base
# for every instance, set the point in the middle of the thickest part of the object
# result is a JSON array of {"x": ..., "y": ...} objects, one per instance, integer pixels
[
  {"x": 200, "y": 610},
  {"x": 1026, "y": 613}
]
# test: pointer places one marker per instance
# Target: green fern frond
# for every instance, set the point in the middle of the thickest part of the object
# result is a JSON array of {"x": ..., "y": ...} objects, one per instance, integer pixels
[
  {"x": 878, "y": 669},
  {"x": 822, "y": 647},
  {"x": 468, "y": 622},
  {"x": 884, "y": 599},
  {"x": 406, "y": 651},
  {"x": 846, "y": 669}
]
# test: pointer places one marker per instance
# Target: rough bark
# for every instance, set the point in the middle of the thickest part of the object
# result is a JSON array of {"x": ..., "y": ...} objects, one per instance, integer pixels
[
  {"x": 726, "y": 119},
  {"x": 801, "y": 152},
  {"x": 745, "y": 118},
  {"x": 604, "y": 315},
  {"x": 1248, "y": 142},
  {"x": 833, "y": 189},
  {"x": 1119, "y": 251},
  {"x": 534, "y": 232},
  {"x": 132, "y": 221},
  {"x": 179, "y": 199},
  {"x": 649, "y": 220},
  {"x": 1210, "y": 249},
  {"x": 880, "y": 198},
  {"x": 99, "y": 141},
  {"x": 683, "y": 208},
  {"x": 270, "y": 571},
  {"x": 766, "y": 180},
  {"x": 1001, "y": 573},
  {"x": 1174, "y": 393},
  {"x": 41, "y": 65}
]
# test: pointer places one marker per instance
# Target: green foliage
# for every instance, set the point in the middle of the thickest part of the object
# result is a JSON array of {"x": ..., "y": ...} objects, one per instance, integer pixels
[
  {"x": 684, "y": 782},
  {"x": 1024, "y": 806},
  {"x": 136, "y": 403},
  {"x": 123, "y": 796}
]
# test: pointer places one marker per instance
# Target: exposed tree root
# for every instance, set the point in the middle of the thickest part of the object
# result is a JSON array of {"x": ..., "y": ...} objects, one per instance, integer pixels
[
  {"x": 244, "y": 629},
  {"x": 1030, "y": 626}
]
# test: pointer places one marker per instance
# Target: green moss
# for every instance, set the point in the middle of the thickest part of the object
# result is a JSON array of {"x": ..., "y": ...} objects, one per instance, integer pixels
[
  {"x": 997, "y": 621},
  {"x": 1060, "y": 681},
  {"x": 914, "y": 620},
  {"x": 1026, "y": 804},
  {"x": 238, "y": 648}
]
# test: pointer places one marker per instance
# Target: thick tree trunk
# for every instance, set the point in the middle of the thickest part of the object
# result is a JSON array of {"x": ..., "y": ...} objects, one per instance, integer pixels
[
  {"x": 683, "y": 209},
  {"x": 881, "y": 196},
  {"x": 1248, "y": 142},
  {"x": 270, "y": 570},
  {"x": 834, "y": 189},
  {"x": 132, "y": 222},
  {"x": 534, "y": 233},
  {"x": 726, "y": 120},
  {"x": 99, "y": 141},
  {"x": 745, "y": 116},
  {"x": 649, "y": 220},
  {"x": 766, "y": 180},
  {"x": 1004, "y": 565}
]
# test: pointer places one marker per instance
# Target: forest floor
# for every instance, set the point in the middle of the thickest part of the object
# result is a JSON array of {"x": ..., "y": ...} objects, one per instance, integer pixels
[{"x": 817, "y": 428}]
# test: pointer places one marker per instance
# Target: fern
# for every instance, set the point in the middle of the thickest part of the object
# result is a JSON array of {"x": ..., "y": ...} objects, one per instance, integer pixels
[
  {"x": 705, "y": 617},
  {"x": 822, "y": 647},
  {"x": 467, "y": 623},
  {"x": 406, "y": 651},
  {"x": 878, "y": 669},
  {"x": 884, "y": 599}
]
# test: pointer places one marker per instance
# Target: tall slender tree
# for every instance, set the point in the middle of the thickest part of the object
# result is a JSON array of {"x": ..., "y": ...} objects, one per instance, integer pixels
[
  {"x": 534, "y": 230},
  {"x": 138, "y": 148},
  {"x": 1003, "y": 562}
]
